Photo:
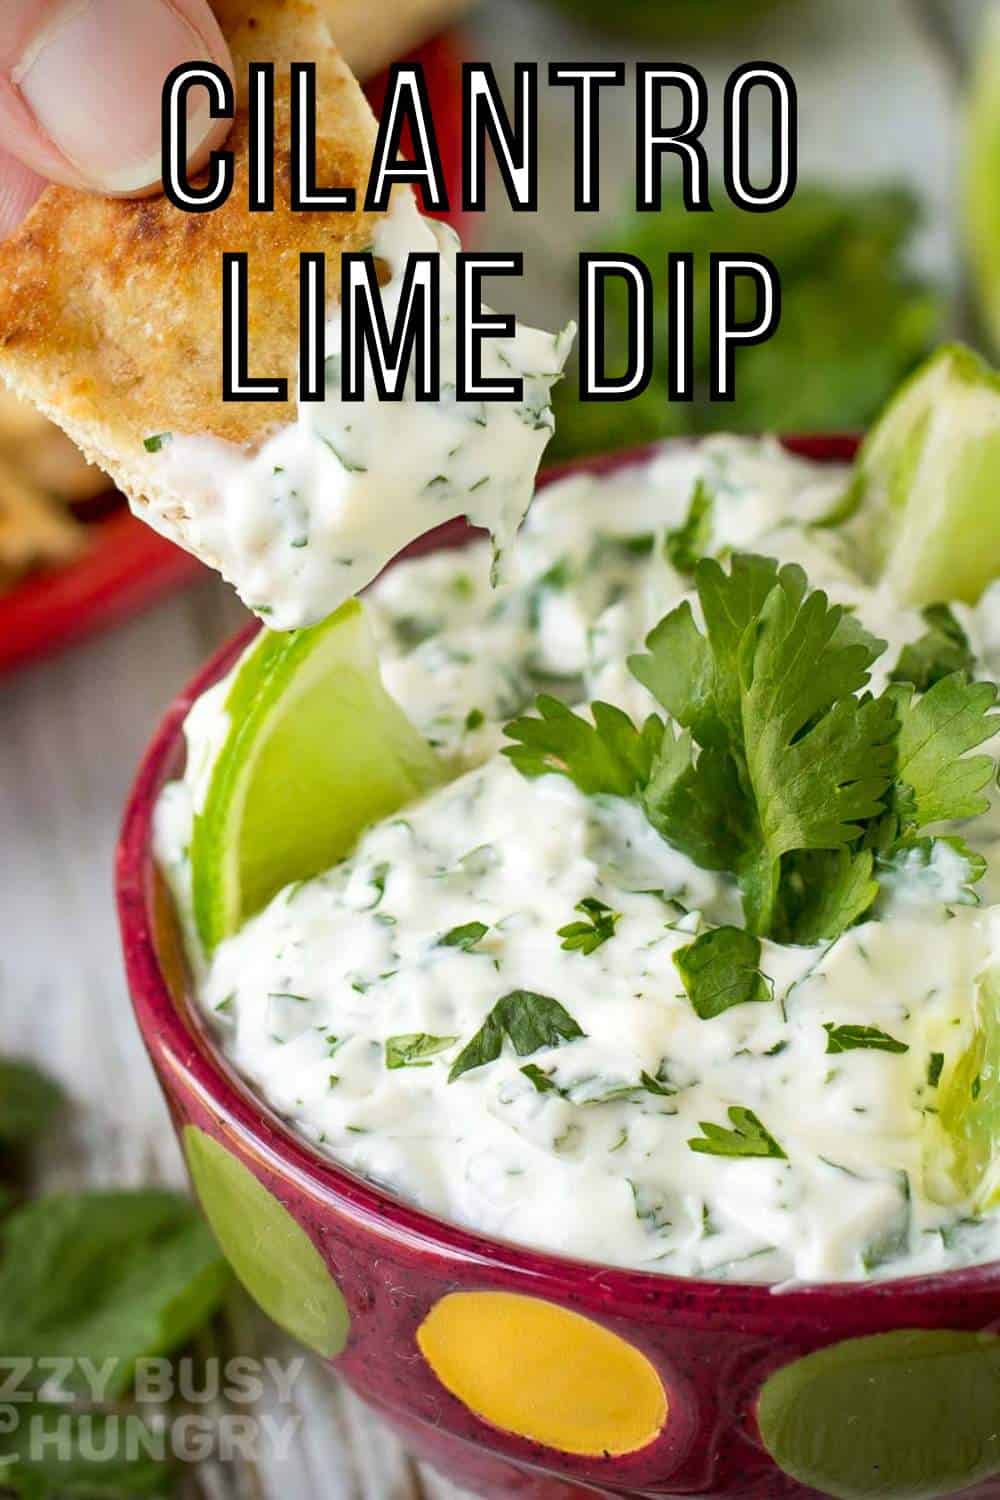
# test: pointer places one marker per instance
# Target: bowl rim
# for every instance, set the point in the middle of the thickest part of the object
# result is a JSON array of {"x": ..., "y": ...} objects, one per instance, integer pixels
[{"x": 181, "y": 1044}]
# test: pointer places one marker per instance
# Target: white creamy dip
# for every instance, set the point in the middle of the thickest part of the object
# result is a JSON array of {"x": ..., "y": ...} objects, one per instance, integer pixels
[
  {"x": 322, "y": 506},
  {"x": 588, "y": 1152}
]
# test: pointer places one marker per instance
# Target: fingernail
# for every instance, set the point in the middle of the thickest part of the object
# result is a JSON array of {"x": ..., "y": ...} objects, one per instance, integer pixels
[{"x": 93, "y": 77}]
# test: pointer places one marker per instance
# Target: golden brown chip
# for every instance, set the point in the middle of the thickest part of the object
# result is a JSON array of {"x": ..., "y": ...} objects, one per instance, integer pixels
[
  {"x": 19, "y": 421},
  {"x": 34, "y": 532},
  {"x": 110, "y": 310},
  {"x": 35, "y": 448},
  {"x": 54, "y": 463}
]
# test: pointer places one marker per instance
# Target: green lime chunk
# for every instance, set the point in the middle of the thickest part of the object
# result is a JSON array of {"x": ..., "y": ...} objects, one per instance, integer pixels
[
  {"x": 969, "y": 1108},
  {"x": 926, "y": 482},
  {"x": 270, "y": 1252},
  {"x": 982, "y": 174},
  {"x": 909, "y": 1415},
  {"x": 315, "y": 751}
]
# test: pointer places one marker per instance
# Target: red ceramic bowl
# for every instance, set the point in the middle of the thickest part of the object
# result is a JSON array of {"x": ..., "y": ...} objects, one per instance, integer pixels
[{"x": 522, "y": 1373}]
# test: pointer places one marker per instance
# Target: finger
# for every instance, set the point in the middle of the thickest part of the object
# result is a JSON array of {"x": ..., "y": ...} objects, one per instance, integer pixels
[
  {"x": 80, "y": 86},
  {"x": 19, "y": 187}
]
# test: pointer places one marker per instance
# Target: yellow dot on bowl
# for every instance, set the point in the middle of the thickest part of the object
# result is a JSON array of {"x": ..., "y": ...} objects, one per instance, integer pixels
[{"x": 543, "y": 1372}]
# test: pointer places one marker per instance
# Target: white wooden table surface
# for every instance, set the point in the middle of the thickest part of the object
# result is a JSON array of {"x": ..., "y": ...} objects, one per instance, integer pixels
[{"x": 875, "y": 99}]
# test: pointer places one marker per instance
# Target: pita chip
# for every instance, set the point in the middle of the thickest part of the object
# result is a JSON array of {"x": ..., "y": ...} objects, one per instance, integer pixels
[
  {"x": 111, "y": 309},
  {"x": 111, "y": 322}
]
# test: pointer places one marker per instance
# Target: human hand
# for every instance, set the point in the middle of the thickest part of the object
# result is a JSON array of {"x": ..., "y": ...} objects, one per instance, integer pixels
[{"x": 80, "y": 84}]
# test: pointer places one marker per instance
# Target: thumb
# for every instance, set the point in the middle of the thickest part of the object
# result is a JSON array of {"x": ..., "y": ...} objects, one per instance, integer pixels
[{"x": 80, "y": 84}]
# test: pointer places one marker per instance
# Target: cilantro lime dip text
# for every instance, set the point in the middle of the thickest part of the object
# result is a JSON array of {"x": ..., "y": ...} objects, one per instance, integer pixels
[
  {"x": 325, "y": 502},
  {"x": 522, "y": 1007}
]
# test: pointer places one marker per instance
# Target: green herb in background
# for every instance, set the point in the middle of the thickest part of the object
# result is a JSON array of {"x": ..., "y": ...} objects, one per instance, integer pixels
[
  {"x": 106, "y": 1276},
  {"x": 29, "y": 1102},
  {"x": 855, "y": 320},
  {"x": 54, "y": 1451},
  {"x": 109, "y": 1277},
  {"x": 671, "y": 20}
]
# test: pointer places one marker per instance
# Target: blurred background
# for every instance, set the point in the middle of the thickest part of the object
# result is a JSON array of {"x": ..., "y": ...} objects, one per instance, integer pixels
[{"x": 891, "y": 243}]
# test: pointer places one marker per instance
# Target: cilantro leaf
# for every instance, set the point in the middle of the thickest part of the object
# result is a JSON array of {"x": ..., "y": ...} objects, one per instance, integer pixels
[
  {"x": 413, "y": 1049},
  {"x": 658, "y": 1084},
  {"x": 689, "y": 542},
  {"x": 818, "y": 760},
  {"x": 851, "y": 1038},
  {"x": 465, "y": 937},
  {"x": 942, "y": 649},
  {"x": 697, "y": 804},
  {"x": 694, "y": 675},
  {"x": 610, "y": 755},
  {"x": 106, "y": 1276},
  {"x": 29, "y": 1100},
  {"x": 824, "y": 891},
  {"x": 530, "y": 1022},
  {"x": 587, "y": 936},
  {"x": 936, "y": 730},
  {"x": 720, "y": 969},
  {"x": 544, "y": 1082},
  {"x": 748, "y": 1137}
]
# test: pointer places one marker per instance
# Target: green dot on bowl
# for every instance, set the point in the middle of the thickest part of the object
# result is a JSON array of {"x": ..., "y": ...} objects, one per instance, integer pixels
[
  {"x": 908, "y": 1415},
  {"x": 271, "y": 1254}
]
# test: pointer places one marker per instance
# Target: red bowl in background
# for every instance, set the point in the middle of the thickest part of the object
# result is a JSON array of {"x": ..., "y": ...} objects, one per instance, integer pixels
[
  {"x": 467, "y": 1345},
  {"x": 127, "y": 567}
]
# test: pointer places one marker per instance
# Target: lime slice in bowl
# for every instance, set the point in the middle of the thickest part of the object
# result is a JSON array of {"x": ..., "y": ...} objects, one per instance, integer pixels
[
  {"x": 315, "y": 750},
  {"x": 981, "y": 185},
  {"x": 969, "y": 1108},
  {"x": 925, "y": 484}
]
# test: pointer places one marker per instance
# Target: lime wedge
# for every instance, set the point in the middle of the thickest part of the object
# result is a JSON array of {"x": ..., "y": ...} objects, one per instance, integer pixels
[
  {"x": 926, "y": 485},
  {"x": 315, "y": 751},
  {"x": 981, "y": 187},
  {"x": 970, "y": 1103}
]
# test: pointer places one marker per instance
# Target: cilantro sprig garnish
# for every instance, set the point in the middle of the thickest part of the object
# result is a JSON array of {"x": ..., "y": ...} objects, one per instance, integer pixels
[{"x": 777, "y": 766}]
